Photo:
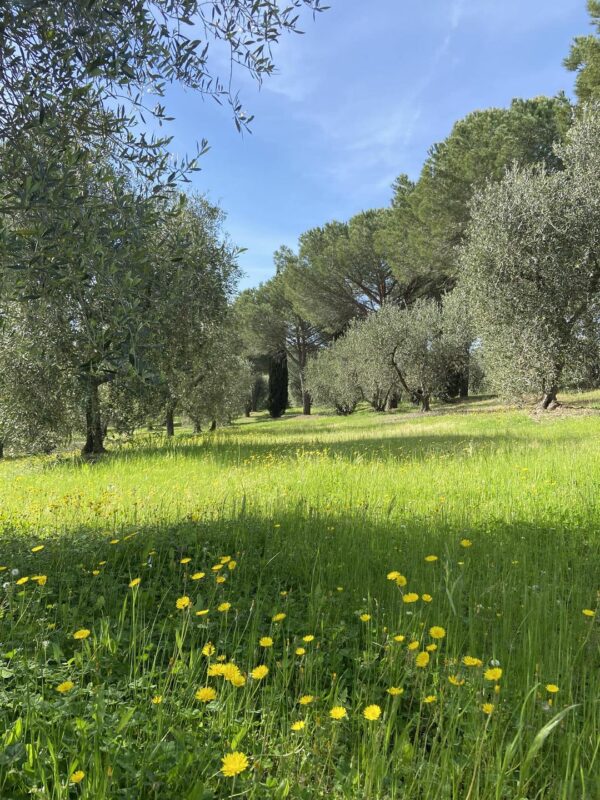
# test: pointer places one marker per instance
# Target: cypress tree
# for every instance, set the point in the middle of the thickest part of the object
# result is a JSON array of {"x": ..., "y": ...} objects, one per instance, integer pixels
[{"x": 277, "y": 401}]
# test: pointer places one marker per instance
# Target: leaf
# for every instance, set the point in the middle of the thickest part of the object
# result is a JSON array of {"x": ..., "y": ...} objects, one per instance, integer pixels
[{"x": 544, "y": 732}]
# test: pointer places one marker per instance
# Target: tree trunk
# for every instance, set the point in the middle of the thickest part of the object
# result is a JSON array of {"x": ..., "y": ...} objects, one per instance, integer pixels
[
  {"x": 425, "y": 402},
  {"x": 392, "y": 402},
  {"x": 213, "y": 425},
  {"x": 549, "y": 400},
  {"x": 306, "y": 402},
  {"x": 197, "y": 427},
  {"x": 464, "y": 384},
  {"x": 247, "y": 410},
  {"x": 94, "y": 442},
  {"x": 278, "y": 385},
  {"x": 170, "y": 421},
  {"x": 1, "y": 449}
]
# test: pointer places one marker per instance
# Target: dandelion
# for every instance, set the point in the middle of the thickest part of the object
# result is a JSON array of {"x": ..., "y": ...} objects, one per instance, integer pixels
[
  {"x": 393, "y": 575},
  {"x": 224, "y": 607},
  {"x": 493, "y": 674},
  {"x": 299, "y": 725},
  {"x": 221, "y": 579},
  {"x": 197, "y": 576},
  {"x": 82, "y": 633},
  {"x": 365, "y": 617},
  {"x": 77, "y": 776},
  {"x": 135, "y": 582},
  {"x": 410, "y": 597},
  {"x": 413, "y": 645},
  {"x": 455, "y": 680},
  {"x": 260, "y": 672},
  {"x": 216, "y": 670},
  {"x": 465, "y": 543},
  {"x": 183, "y": 602},
  {"x": 488, "y": 708},
  {"x": 437, "y": 632},
  {"x": 306, "y": 699},
  {"x": 37, "y": 548},
  {"x": 233, "y": 764},
  {"x": 426, "y": 598},
  {"x": 338, "y": 712},
  {"x": 22, "y": 580},
  {"x": 399, "y": 637},
  {"x": 265, "y": 641},
  {"x": 300, "y": 651},
  {"x": 41, "y": 580},
  {"x": 308, "y": 638},
  {"x": 157, "y": 699},
  {"x": 279, "y": 617},
  {"x": 395, "y": 691},
  {"x": 65, "y": 687},
  {"x": 114, "y": 541},
  {"x": 431, "y": 698},
  {"x": 588, "y": 612},
  {"x": 217, "y": 567},
  {"x": 209, "y": 649},
  {"x": 552, "y": 688},
  {"x": 225, "y": 559},
  {"x": 372, "y": 713},
  {"x": 206, "y": 694},
  {"x": 202, "y": 612},
  {"x": 431, "y": 559},
  {"x": 469, "y": 661},
  {"x": 422, "y": 659},
  {"x": 185, "y": 560},
  {"x": 431, "y": 648},
  {"x": 232, "y": 565}
]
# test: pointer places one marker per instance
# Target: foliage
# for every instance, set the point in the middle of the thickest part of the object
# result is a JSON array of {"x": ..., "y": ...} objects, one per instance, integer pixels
[
  {"x": 584, "y": 59},
  {"x": 531, "y": 267}
]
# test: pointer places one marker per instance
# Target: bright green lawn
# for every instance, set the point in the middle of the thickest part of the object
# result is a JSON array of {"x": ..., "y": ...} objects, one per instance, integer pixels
[{"x": 315, "y": 513}]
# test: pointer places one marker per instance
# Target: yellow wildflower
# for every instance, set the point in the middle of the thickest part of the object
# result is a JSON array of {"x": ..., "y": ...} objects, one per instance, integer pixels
[
  {"x": 183, "y": 602},
  {"x": 260, "y": 672},
  {"x": 206, "y": 694},
  {"x": 372, "y": 713},
  {"x": 338, "y": 712},
  {"x": 233, "y": 764}
]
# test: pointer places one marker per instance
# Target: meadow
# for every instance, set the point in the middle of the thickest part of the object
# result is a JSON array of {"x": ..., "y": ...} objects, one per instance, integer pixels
[{"x": 381, "y": 606}]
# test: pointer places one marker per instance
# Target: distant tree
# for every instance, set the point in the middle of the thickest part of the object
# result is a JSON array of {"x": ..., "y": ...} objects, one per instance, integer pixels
[
  {"x": 584, "y": 59},
  {"x": 332, "y": 378},
  {"x": 531, "y": 267},
  {"x": 277, "y": 398}
]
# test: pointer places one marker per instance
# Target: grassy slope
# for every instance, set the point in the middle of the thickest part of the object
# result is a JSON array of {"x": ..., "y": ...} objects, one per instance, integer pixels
[{"x": 307, "y": 506}]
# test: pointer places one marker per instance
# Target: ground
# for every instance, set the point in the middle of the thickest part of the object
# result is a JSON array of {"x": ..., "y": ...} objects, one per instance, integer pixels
[{"x": 446, "y": 566}]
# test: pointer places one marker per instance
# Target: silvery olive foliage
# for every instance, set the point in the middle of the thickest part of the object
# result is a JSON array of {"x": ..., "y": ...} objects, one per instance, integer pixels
[{"x": 531, "y": 267}]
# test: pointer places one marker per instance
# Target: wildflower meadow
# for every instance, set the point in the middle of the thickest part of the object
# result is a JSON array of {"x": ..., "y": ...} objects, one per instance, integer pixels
[{"x": 382, "y": 606}]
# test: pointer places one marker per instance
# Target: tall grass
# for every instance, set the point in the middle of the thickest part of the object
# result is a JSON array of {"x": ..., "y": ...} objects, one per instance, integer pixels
[{"x": 313, "y": 515}]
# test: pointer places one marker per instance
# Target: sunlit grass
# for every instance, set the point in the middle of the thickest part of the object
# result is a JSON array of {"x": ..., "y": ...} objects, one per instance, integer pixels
[{"x": 314, "y": 514}]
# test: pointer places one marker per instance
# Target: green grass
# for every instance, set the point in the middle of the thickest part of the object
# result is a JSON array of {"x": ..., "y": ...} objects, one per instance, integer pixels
[{"x": 314, "y": 513}]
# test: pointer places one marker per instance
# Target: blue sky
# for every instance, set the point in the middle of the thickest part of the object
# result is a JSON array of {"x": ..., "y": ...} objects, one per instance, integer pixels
[{"x": 359, "y": 99}]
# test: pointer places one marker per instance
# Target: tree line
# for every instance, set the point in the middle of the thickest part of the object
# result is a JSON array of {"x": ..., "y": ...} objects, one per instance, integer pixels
[{"x": 483, "y": 272}]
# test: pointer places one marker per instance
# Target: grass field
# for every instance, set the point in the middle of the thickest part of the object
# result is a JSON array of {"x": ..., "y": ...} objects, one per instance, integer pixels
[{"x": 439, "y": 571}]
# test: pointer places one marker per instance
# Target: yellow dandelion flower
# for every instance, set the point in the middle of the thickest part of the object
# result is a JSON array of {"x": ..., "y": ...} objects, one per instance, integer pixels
[
  {"x": 183, "y": 602},
  {"x": 413, "y": 645},
  {"x": 77, "y": 776},
  {"x": 299, "y": 725},
  {"x": 233, "y": 764},
  {"x": 422, "y": 659},
  {"x": 308, "y": 638},
  {"x": 455, "y": 680},
  {"x": 216, "y": 670},
  {"x": 399, "y": 637},
  {"x": 265, "y": 641},
  {"x": 197, "y": 576},
  {"x": 157, "y": 699},
  {"x": 221, "y": 658},
  {"x": 395, "y": 691},
  {"x": 338, "y": 712},
  {"x": 114, "y": 541},
  {"x": 22, "y": 580},
  {"x": 401, "y": 581},
  {"x": 41, "y": 580},
  {"x": 488, "y": 708},
  {"x": 372, "y": 713},
  {"x": 300, "y": 651},
  {"x": 552, "y": 688},
  {"x": 82, "y": 633},
  {"x": 232, "y": 565},
  {"x": 410, "y": 597},
  {"x": 431, "y": 559},
  {"x": 279, "y": 617},
  {"x": 306, "y": 699},
  {"x": 260, "y": 672},
  {"x": 588, "y": 612},
  {"x": 238, "y": 681},
  {"x": 37, "y": 548},
  {"x": 365, "y": 617},
  {"x": 465, "y": 543},
  {"x": 209, "y": 649},
  {"x": 391, "y": 576},
  {"x": 206, "y": 694},
  {"x": 202, "y": 612},
  {"x": 135, "y": 582},
  {"x": 493, "y": 674},
  {"x": 225, "y": 559},
  {"x": 437, "y": 632},
  {"x": 65, "y": 687},
  {"x": 431, "y": 648},
  {"x": 185, "y": 560},
  {"x": 426, "y": 598},
  {"x": 470, "y": 661},
  {"x": 224, "y": 607},
  {"x": 431, "y": 698},
  {"x": 221, "y": 579},
  {"x": 95, "y": 572},
  {"x": 217, "y": 567}
]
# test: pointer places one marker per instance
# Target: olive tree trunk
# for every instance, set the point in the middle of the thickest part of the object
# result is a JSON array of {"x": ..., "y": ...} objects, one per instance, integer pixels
[{"x": 95, "y": 431}]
